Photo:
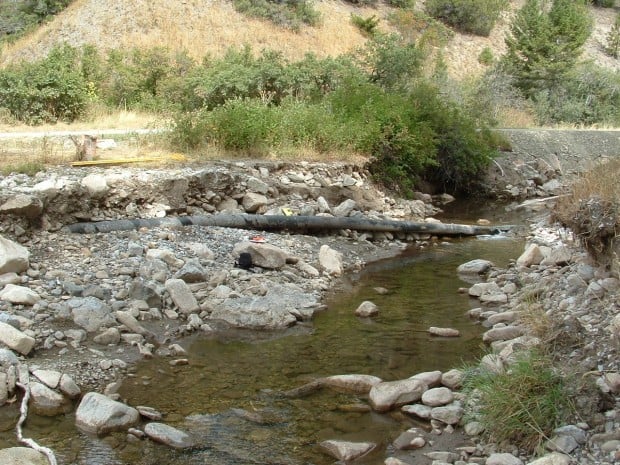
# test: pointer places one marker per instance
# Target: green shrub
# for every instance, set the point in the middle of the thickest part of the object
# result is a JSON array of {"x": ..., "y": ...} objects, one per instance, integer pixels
[
  {"x": 287, "y": 13},
  {"x": 49, "y": 90},
  {"x": 486, "y": 56},
  {"x": 368, "y": 26},
  {"x": 522, "y": 406},
  {"x": 474, "y": 16}
]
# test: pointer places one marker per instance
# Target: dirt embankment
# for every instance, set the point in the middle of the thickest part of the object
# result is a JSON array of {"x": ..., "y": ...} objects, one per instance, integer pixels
[{"x": 541, "y": 161}]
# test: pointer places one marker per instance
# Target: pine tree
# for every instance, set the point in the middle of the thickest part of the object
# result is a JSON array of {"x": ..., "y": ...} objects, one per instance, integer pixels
[{"x": 545, "y": 42}]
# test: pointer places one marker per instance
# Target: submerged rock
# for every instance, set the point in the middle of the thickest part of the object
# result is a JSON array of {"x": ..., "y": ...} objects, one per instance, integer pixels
[{"x": 168, "y": 435}]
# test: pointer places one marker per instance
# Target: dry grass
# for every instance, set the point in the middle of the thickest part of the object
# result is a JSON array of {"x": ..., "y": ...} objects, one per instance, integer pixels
[
  {"x": 200, "y": 27},
  {"x": 96, "y": 118},
  {"x": 592, "y": 210}
]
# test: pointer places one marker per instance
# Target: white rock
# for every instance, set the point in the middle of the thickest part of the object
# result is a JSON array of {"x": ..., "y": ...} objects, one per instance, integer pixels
[
  {"x": 418, "y": 410},
  {"x": 14, "y": 258},
  {"x": 502, "y": 334},
  {"x": 452, "y": 379},
  {"x": 330, "y": 260},
  {"x": 554, "y": 458},
  {"x": 4, "y": 389},
  {"x": 345, "y": 208},
  {"x": 431, "y": 378},
  {"x": 168, "y": 435},
  {"x": 531, "y": 256},
  {"x": 263, "y": 255},
  {"x": 99, "y": 414},
  {"x": 443, "y": 332},
  {"x": 182, "y": 296},
  {"x": 95, "y": 184},
  {"x": 51, "y": 378},
  {"x": 437, "y": 397},
  {"x": 475, "y": 267},
  {"x": 387, "y": 395},
  {"x": 503, "y": 459},
  {"x": 359, "y": 384},
  {"x": 68, "y": 387},
  {"x": 366, "y": 309},
  {"x": 19, "y": 295},
  {"x": 45, "y": 401},
  {"x": 15, "y": 339},
  {"x": 165, "y": 256},
  {"x": 449, "y": 414},
  {"x": 252, "y": 202},
  {"x": 345, "y": 450}
]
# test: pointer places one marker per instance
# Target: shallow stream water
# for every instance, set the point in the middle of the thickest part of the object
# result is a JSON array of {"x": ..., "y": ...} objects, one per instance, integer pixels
[{"x": 229, "y": 395}]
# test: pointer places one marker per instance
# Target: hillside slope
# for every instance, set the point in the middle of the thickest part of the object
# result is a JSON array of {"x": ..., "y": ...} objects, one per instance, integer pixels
[{"x": 212, "y": 26}]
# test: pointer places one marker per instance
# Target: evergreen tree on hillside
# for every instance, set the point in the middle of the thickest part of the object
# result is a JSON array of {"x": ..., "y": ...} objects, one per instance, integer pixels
[{"x": 545, "y": 42}]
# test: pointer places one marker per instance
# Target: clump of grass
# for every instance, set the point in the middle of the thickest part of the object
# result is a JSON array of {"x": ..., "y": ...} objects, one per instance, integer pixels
[
  {"x": 592, "y": 210},
  {"x": 521, "y": 406},
  {"x": 30, "y": 168}
]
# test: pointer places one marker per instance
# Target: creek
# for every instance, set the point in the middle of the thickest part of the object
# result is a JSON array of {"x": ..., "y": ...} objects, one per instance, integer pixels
[{"x": 229, "y": 395}]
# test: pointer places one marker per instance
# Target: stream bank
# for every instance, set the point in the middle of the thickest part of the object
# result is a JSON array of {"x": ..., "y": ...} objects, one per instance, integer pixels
[{"x": 96, "y": 304}]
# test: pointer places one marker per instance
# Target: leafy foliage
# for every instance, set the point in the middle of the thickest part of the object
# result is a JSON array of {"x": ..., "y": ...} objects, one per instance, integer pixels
[
  {"x": 475, "y": 16},
  {"x": 47, "y": 90},
  {"x": 544, "y": 45}
]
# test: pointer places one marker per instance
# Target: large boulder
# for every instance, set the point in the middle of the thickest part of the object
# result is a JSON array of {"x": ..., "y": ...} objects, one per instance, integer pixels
[
  {"x": 263, "y": 255},
  {"x": 13, "y": 257},
  {"x": 390, "y": 394},
  {"x": 99, "y": 414}
]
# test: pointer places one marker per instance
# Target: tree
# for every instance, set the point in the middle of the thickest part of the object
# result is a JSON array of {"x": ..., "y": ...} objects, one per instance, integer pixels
[{"x": 545, "y": 42}]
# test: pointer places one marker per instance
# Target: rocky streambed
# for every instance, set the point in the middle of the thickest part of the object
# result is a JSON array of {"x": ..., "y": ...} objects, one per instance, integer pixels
[{"x": 77, "y": 311}]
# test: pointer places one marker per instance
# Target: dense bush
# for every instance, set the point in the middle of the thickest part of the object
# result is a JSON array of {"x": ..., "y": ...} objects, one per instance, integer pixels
[
  {"x": 474, "y": 16},
  {"x": 287, "y": 13},
  {"x": 18, "y": 15},
  {"x": 47, "y": 90}
]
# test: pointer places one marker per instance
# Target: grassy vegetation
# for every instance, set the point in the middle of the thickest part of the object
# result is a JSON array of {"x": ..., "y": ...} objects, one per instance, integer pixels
[
  {"x": 521, "y": 406},
  {"x": 472, "y": 16}
]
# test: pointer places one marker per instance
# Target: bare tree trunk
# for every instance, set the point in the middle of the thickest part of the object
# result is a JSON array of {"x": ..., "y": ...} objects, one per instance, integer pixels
[{"x": 85, "y": 147}]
